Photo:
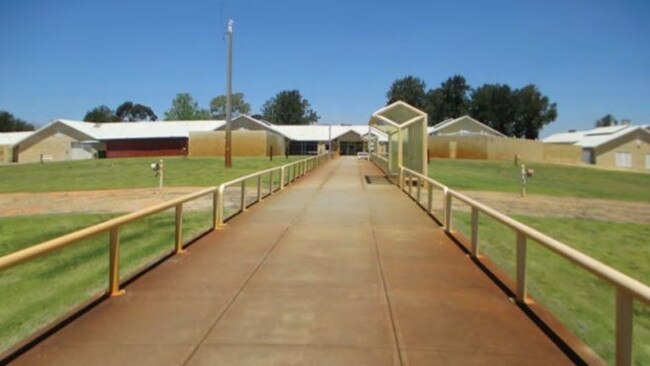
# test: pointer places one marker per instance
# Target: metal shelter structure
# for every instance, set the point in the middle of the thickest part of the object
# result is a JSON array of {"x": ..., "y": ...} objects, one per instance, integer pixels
[{"x": 406, "y": 127}]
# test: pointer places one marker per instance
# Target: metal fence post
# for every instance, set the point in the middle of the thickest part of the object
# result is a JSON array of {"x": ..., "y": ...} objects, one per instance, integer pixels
[
  {"x": 474, "y": 249},
  {"x": 624, "y": 318},
  {"x": 243, "y": 195},
  {"x": 429, "y": 197},
  {"x": 282, "y": 177},
  {"x": 521, "y": 266},
  {"x": 178, "y": 237},
  {"x": 114, "y": 263},
  {"x": 447, "y": 209}
]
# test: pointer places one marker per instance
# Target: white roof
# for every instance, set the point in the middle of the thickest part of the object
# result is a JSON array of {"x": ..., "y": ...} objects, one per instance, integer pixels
[
  {"x": 592, "y": 138},
  {"x": 11, "y": 138},
  {"x": 450, "y": 121},
  {"x": 141, "y": 130}
]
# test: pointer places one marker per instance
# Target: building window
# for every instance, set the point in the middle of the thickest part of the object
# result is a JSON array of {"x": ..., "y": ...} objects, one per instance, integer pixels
[{"x": 623, "y": 159}]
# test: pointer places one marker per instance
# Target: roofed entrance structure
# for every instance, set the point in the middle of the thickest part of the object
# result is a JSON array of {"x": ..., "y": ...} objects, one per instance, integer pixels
[{"x": 406, "y": 127}]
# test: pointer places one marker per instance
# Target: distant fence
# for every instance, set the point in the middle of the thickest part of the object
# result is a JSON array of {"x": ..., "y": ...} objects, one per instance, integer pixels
[{"x": 501, "y": 148}]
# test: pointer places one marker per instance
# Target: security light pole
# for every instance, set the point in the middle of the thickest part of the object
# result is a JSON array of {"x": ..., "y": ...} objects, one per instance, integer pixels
[{"x": 229, "y": 97}]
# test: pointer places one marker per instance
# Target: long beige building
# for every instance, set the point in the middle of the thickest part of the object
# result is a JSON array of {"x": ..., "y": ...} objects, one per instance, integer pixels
[{"x": 625, "y": 146}]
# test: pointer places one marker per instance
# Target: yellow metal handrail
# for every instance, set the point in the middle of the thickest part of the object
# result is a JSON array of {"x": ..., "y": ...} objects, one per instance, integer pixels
[
  {"x": 627, "y": 288},
  {"x": 290, "y": 171}
]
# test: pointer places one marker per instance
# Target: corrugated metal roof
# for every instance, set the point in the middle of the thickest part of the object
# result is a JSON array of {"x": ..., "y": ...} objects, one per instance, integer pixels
[
  {"x": 450, "y": 121},
  {"x": 592, "y": 138},
  {"x": 11, "y": 138},
  {"x": 141, "y": 130}
]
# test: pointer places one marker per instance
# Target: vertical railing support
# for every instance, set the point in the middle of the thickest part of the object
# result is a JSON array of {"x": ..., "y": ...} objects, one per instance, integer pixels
[
  {"x": 114, "y": 263},
  {"x": 521, "y": 267},
  {"x": 271, "y": 182},
  {"x": 418, "y": 192},
  {"x": 400, "y": 179},
  {"x": 215, "y": 210},
  {"x": 624, "y": 318},
  {"x": 474, "y": 238},
  {"x": 178, "y": 234},
  {"x": 259, "y": 188},
  {"x": 221, "y": 192},
  {"x": 243, "y": 195},
  {"x": 447, "y": 209},
  {"x": 410, "y": 183},
  {"x": 281, "y": 178},
  {"x": 429, "y": 197}
]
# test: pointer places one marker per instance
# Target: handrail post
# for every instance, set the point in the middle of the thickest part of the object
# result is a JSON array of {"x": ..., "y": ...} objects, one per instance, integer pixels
[
  {"x": 474, "y": 249},
  {"x": 521, "y": 267},
  {"x": 114, "y": 264},
  {"x": 178, "y": 237},
  {"x": 271, "y": 182},
  {"x": 215, "y": 209},
  {"x": 410, "y": 183},
  {"x": 419, "y": 191},
  {"x": 429, "y": 197},
  {"x": 221, "y": 192},
  {"x": 447, "y": 209},
  {"x": 243, "y": 195},
  {"x": 400, "y": 178},
  {"x": 624, "y": 318},
  {"x": 259, "y": 188},
  {"x": 282, "y": 177}
]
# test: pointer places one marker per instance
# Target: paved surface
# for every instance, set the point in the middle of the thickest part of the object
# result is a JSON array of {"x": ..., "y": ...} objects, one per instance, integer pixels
[{"x": 331, "y": 271}]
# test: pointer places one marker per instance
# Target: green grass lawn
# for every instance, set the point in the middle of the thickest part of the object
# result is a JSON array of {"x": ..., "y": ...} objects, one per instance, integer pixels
[
  {"x": 581, "y": 301},
  {"x": 549, "y": 179},
  {"x": 37, "y": 292},
  {"x": 128, "y": 173}
]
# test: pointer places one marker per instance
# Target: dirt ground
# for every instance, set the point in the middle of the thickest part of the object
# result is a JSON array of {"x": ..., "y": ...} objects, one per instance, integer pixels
[{"x": 128, "y": 200}]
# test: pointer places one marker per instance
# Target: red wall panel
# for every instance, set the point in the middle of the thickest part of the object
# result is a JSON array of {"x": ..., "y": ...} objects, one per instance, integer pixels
[{"x": 146, "y": 147}]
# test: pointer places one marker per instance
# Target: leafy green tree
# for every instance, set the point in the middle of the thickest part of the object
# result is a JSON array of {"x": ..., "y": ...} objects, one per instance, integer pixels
[
  {"x": 495, "y": 105},
  {"x": 534, "y": 111},
  {"x": 450, "y": 100},
  {"x": 239, "y": 106},
  {"x": 607, "y": 120},
  {"x": 9, "y": 123},
  {"x": 129, "y": 112},
  {"x": 101, "y": 114},
  {"x": 409, "y": 89},
  {"x": 288, "y": 107},
  {"x": 185, "y": 108}
]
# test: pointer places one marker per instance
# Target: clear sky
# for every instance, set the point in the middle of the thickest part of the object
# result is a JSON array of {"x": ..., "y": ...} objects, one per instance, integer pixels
[{"x": 59, "y": 59}]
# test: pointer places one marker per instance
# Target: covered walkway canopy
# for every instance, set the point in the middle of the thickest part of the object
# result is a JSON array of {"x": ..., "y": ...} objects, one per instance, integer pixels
[{"x": 406, "y": 127}]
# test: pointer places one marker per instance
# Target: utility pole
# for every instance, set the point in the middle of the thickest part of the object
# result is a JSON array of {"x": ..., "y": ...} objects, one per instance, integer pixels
[{"x": 228, "y": 154}]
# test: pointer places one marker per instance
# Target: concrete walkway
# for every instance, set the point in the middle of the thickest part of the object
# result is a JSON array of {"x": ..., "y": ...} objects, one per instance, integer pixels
[{"x": 331, "y": 271}]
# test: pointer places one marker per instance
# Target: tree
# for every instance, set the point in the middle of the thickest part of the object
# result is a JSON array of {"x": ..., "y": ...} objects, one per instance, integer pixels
[
  {"x": 129, "y": 112},
  {"x": 607, "y": 120},
  {"x": 101, "y": 114},
  {"x": 534, "y": 111},
  {"x": 239, "y": 106},
  {"x": 288, "y": 107},
  {"x": 185, "y": 108},
  {"x": 9, "y": 123},
  {"x": 409, "y": 89},
  {"x": 450, "y": 100},
  {"x": 495, "y": 105}
]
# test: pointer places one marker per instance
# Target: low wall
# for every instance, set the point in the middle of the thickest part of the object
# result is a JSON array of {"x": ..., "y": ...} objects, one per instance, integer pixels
[
  {"x": 501, "y": 148},
  {"x": 244, "y": 143}
]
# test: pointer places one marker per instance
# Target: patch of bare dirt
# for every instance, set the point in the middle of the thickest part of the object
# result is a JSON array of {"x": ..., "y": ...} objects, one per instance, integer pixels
[{"x": 570, "y": 207}]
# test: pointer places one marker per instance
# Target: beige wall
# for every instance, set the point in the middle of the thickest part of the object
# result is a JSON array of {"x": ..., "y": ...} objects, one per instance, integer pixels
[
  {"x": 501, "y": 148},
  {"x": 606, "y": 154},
  {"x": 5, "y": 154},
  {"x": 467, "y": 125},
  {"x": 56, "y": 146},
  {"x": 566, "y": 154},
  {"x": 244, "y": 143}
]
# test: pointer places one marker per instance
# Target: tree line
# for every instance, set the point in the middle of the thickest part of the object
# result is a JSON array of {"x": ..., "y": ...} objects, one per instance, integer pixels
[
  {"x": 286, "y": 107},
  {"x": 514, "y": 112}
]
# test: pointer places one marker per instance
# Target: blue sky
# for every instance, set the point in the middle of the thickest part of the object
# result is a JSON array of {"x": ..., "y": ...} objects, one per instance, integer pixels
[{"x": 59, "y": 59}]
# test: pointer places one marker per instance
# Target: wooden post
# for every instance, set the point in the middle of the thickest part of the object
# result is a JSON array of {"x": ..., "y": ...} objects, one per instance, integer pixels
[
  {"x": 114, "y": 264},
  {"x": 624, "y": 317},
  {"x": 474, "y": 237},
  {"x": 521, "y": 267},
  {"x": 178, "y": 237}
]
